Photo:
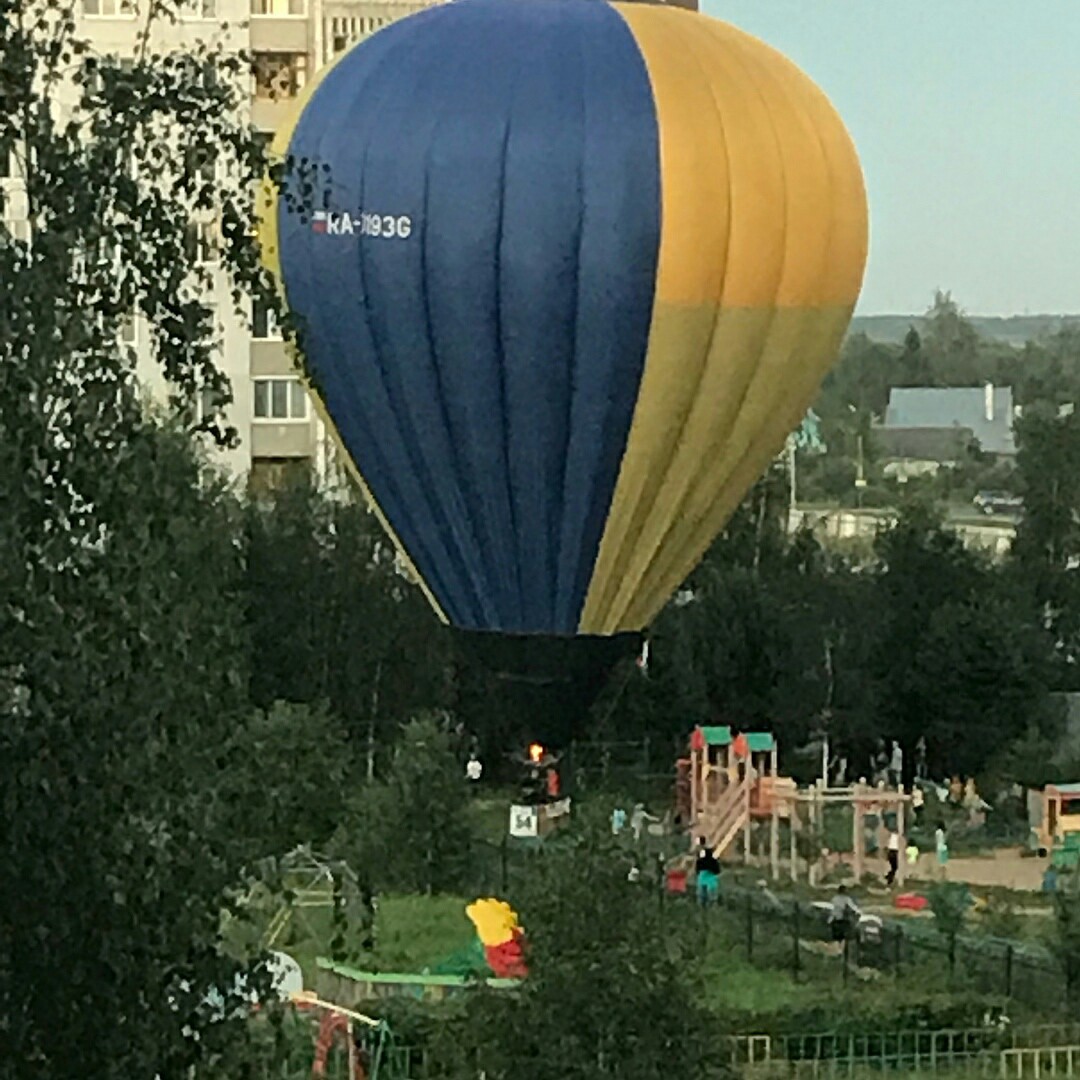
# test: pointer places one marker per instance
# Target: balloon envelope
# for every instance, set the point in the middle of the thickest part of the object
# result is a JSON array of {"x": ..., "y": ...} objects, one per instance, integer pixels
[{"x": 573, "y": 272}]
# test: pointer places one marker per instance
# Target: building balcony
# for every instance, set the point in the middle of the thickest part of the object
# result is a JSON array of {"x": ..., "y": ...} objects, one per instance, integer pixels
[
  {"x": 269, "y": 356},
  {"x": 287, "y": 439},
  {"x": 280, "y": 33}
]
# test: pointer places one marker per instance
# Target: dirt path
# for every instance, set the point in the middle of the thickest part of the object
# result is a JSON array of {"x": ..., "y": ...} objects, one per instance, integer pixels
[{"x": 1005, "y": 868}]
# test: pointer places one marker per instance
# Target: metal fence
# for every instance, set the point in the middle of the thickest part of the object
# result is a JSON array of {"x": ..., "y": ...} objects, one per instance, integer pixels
[
  {"x": 1012, "y": 1054},
  {"x": 781, "y": 932},
  {"x": 1039, "y": 1050}
]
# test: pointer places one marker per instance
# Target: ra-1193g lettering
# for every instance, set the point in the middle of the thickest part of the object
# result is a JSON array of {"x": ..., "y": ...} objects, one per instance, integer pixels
[{"x": 386, "y": 226}]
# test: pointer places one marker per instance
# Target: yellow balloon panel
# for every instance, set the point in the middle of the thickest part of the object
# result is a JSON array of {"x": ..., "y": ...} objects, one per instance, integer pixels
[{"x": 763, "y": 246}]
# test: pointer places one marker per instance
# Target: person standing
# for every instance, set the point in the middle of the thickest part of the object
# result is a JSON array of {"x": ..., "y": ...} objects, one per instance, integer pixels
[
  {"x": 618, "y": 820},
  {"x": 941, "y": 846},
  {"x": 474, "y": 770},
  {"x": 638, "y": 820},
  {"x": 843, "y": 913},
  {"x": 896, "y": 765},
  {"x": 706, "y": 873},
  {"x": 554, "y": 787},
  {"x": 892, "y": 853},
  {"x": 920, "y": 758}
]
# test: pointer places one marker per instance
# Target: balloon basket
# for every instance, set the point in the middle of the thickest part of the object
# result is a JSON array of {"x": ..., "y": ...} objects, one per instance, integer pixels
[{"x": 545, "y": 685}]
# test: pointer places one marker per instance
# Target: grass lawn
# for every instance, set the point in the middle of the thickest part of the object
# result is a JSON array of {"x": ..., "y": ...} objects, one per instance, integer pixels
[
  {"x": 417, "y": 932},
  {"x": 411, "y": 933},
  {"x": 738, "y": 986}
]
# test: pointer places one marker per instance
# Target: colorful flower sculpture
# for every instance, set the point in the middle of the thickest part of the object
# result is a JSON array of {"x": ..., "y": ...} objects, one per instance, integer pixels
[{"x": 501, "y": 935}]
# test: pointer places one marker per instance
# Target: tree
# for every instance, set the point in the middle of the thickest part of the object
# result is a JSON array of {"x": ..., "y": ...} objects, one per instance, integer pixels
[
  {"x": 957, "y": 652},
  {"x": 980, "y": 667},
  {"x": 1067, "y": 933},
  {"x": 416, "y": 834},
  {"x": 610, "y": 990},
  {"x": 289, "y": 769},
  {"x": 125, "y": 662},
  {"x": 952, "y": 346},
  {"x": 950, "y": 902},
  {"x": 1046, "y": 552},
  {"x": 357, "y": 636},
  {"x": 122, "y": 644},
  {"x": 921, "y": 566},
  {"x": 859, "y": 382}
]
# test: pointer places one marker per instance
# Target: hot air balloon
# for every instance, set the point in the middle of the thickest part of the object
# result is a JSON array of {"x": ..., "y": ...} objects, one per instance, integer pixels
[{"x": 569, "y": 274}]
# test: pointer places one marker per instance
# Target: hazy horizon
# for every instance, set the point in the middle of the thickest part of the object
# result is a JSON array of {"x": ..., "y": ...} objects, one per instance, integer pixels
[{"x": 967, "y": 121}]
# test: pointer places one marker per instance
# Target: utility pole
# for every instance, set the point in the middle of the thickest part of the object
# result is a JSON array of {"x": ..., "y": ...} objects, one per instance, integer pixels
[
  {"x": 860, "y": 473},
  {"x": 792, "y": 491}
]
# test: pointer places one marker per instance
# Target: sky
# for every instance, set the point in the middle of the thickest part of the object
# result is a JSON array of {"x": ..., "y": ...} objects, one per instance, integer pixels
[{"x": 966, "y": 116}]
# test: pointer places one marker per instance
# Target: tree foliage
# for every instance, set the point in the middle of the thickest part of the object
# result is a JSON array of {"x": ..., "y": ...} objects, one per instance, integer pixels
[
  {"x": 122, "y": 642},
  {"x": 610, "y": 990},
  {"x": 925, "y": 638},
  {"x": 333, "y": 621},
  {"x": 1047, "y": 548},
  {"x": 414, "y": 830}
]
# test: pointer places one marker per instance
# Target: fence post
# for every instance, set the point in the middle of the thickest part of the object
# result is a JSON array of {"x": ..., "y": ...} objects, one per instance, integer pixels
[
  {"x": 795, "y": 958},
  {"x": 898, "y": 949},
  {"x": 1008, "y": 971},
  {"x": 749, "y": 927}
]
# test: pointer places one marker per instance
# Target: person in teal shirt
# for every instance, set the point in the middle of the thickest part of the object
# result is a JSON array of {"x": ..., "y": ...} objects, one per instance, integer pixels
[{"x": 706, "y": 873}]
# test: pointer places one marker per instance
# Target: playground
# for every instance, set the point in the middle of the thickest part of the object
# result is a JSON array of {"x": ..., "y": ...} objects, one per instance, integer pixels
[
  {"x": 731, "y": 792},
  {"x": 764, "y": 954}
]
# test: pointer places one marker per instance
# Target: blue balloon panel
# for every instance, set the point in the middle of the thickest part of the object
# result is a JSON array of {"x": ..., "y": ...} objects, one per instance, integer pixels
[{"x": 477, "y": 287}]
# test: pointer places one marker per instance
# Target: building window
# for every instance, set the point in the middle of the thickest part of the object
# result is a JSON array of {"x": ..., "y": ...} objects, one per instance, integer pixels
[
  {"x": 278, "y": 7},
  {"x": 264, "y": 325},
  {"x": 108, "y": 7},
  {"x": 279, "y": 75},
  {"x": 280, "y": 399},
  {"x": 202, "y": 243}
]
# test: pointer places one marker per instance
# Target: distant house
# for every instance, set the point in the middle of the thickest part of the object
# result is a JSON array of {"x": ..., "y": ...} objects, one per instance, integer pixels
[{"x": 926, "y": 428}]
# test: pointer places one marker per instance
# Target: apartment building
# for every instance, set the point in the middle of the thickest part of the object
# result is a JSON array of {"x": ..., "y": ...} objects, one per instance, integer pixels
[{"x": 287, "y": 40}]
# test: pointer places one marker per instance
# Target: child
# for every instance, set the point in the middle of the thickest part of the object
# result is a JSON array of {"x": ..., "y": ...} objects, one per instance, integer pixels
[{"x": 706, "y": 873}]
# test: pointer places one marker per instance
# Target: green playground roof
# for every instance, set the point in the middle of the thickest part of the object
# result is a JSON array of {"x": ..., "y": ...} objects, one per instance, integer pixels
[
  {"x": 406, "y": 979},
  {"x": 716, "y": 735},
  {"x": 759, "y": 742},
  {"x": 1065, "y": 789}
]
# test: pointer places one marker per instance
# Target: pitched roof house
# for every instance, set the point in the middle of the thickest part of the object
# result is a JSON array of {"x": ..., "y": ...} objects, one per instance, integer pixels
[{"x": 939, "y": 424}]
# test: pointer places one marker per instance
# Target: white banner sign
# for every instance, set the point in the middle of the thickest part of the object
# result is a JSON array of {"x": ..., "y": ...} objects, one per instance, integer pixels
[{"x": 524, "y": 821}]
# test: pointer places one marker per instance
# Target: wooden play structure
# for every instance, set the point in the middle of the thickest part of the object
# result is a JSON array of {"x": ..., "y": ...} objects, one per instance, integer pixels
[
  {"x": 1054, "y": 817},
  {"x": 868, "y": 803},
  {"x": 730, "y": 782}
]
